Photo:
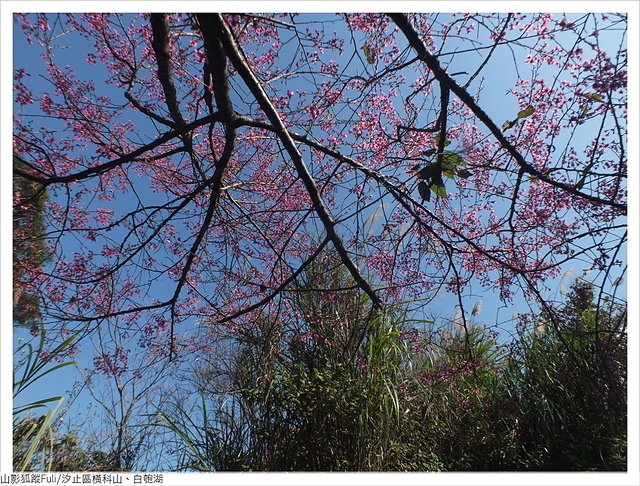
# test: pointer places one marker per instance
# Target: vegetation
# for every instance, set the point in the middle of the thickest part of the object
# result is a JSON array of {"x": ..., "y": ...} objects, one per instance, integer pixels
[
  {"x": 29, "y": 250},
  {"x": 412, "y": 401},
  {"x": 403, "y": 401},
  {"x": 252, "y": 219},
  {"x": 33, "y": 443},
  {"x": 569, "y": 385}
]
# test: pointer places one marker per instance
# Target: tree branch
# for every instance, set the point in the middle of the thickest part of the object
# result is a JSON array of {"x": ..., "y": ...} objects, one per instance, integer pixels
[
  {"x": 245, "y": 72},
  {"x": 160, "y": 46},
  {"x": 217, "y": 64},
  {"x": 441, "y": 75},
  {"x": 403, "y": 198},
  {"x": 280, "y": 287},
  {"x": 130, "y": 157},
  {"x": 137, "y": 105}
]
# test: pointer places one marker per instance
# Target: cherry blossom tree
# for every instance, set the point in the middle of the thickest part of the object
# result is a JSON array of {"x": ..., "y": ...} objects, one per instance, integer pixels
[{"x": 204, "y": 161}]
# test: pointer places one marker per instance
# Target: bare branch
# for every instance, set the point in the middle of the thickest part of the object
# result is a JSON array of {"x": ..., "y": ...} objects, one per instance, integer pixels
[
  {"x": 130, "y": 157},
  {"x": 244, "y": 70},
  {"x": 432, "y": 63}
]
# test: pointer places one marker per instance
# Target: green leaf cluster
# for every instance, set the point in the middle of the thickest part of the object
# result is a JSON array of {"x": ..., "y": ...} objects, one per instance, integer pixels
[
  {"x": 28, "y": 246},
  {"x": 449, "y": 164},
  {"x": 369, "y": 54}
]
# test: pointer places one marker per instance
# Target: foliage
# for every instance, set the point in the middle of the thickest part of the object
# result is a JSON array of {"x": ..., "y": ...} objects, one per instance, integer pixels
[
  {"x": 67, "y": 454},
  {"x": 457, "y": 402},
  {"x": 349, "y": 410},
  {"x": 29, "y": 249},
  {"x": 571, "y": 386},
  {"x": 451, "y": 400},
  {"x": 32, "y": 435},
  {"x": 211, "y": 436}
]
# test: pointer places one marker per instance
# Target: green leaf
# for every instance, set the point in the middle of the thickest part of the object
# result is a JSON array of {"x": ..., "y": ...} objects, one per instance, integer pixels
[
  {"x": 427, "y": 172},
  {"x": 429, "y": 153},
  {"x": 583, "y": 177},
  {"x": 424, "y": 191},
  {"x": 450, "y": 163},
  {"x": 35, "y": 435},
  {"x": 595, "y": 96},
  {"x": 438, "y": 188},
  {"x": 528, "y": 111},
  {"x": 452, "y": 159},
  {"x": 369, "y": 54},
  {"x": 39, "y": 404},
  {"x": 508, "y": 124}
]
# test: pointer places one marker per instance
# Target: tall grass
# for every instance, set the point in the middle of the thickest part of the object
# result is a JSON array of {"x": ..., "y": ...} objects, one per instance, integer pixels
[
  {"x": 32, "y": 430},
  {"x": 403, "y": 400}
]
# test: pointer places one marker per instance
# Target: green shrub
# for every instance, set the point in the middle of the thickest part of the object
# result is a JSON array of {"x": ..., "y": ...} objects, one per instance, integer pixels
[{"x": 570, "y": 384}]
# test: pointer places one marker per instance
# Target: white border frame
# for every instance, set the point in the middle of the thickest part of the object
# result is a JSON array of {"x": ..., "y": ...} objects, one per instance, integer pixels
[{"x": 631, "y": 477}]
